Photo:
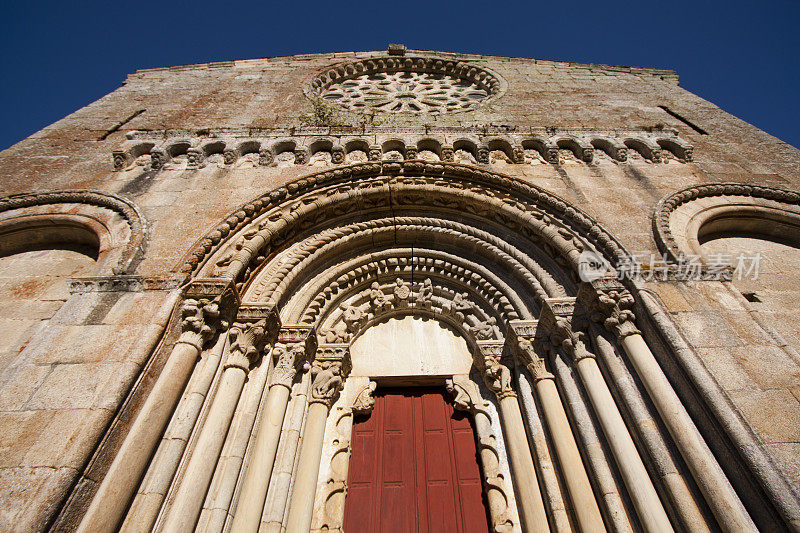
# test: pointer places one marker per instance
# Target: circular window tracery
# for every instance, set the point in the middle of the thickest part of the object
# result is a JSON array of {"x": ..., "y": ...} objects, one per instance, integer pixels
[{"x": 411, "y": 85}]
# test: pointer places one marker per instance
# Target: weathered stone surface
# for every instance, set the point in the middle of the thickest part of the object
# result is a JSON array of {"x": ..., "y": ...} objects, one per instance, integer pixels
[{"x": 176, "y": 152}]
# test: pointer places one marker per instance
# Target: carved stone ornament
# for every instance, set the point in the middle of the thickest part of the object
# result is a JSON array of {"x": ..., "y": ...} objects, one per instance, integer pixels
[
  {"x": 328, "y": 370},
  {"x": 611, "y": 304},
  {"x": 565, "y": 327},
  {"x": 533, "y": 361},
  {"x": 496, "y": 375},
  {"x": 206, "y": 310},
  {"x": 365, "y": 399},
  {"x": 414, "y": 85}
]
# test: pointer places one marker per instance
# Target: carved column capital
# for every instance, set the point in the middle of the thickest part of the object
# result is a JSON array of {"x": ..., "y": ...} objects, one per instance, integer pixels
[
  {"x": 254, "y": 326},
  {"x": 295, "y": 347},
  {"x": 331, "y": 365},
  {"x": 365, "y": 398},
  {"x": 466, "y": 396},
  {"x": 525, "y": 347},
  {"x": 496, "y": 375},
  {"x": 206, "y": 310},
  {"x": 610, "y": 304},
  {"x": 565, "y": 327}
]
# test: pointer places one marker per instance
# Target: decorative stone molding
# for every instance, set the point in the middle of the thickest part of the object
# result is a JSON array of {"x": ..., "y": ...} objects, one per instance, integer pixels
[
  {"x": 467, "y": 397},
  {"x": 531, "y": 211},
  {"x": 331, "y": 365},
  {"x": 156, "y": 148},
  {"x": 122, "y": 284},
  {"x": 133, "y": 248},
  {"x": 663, "y": 234},
  {"x": 410, "y": 84}
]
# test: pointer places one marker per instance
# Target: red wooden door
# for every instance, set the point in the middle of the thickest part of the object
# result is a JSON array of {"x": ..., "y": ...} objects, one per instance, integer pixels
[{"x": 414, "y": 468}]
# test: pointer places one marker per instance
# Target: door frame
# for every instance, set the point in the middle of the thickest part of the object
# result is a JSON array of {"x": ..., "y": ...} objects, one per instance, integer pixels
[{"x": 467, "y": 394}]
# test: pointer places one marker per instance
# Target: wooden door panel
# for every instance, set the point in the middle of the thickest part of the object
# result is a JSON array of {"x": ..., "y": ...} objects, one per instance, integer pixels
[{"x": 413, "y": 468}]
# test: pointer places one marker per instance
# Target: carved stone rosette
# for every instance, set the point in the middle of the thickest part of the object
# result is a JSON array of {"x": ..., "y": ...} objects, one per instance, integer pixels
[
  {"x": 610, "y": 304},
  {"x": 254, "y": 326},
  {"x": 206, "y": 310},
  {"x": 295, "y": 347},
  {"x": 331, "y": 365}
]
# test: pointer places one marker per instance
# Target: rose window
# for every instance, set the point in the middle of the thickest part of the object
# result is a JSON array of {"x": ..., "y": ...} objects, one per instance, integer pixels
[{"x": 406, "y": 85}]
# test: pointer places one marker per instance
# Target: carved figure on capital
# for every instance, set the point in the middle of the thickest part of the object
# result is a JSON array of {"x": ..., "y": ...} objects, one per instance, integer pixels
[
  {"x": 526, "y": 352},
  {"x": 378, "y": 300},
  {"x": 402, "y": 292},
  {"x": 326, "y": 379},
  {"x": 569, "y": 337},
  {"x": 484, "y": 330},
  {"x": 496, "y": 375},
  {"x": 424, "y": 297},
  {"x": 287, "y": 358},
  {"x": 200, "y": 320}
]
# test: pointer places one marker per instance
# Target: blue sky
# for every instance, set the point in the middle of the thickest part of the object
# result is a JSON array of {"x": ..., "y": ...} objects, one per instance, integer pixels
[{"x": 59, "y": 56}]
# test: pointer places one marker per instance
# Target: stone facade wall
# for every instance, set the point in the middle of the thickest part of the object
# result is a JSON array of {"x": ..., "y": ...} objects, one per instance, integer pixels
[{"x": 62, "y": 385}]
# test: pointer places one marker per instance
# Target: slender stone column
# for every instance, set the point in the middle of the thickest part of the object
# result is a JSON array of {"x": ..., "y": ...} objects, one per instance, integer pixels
[
  {"x": 145, "y": 506},
  {"x": 330, "y": 365},
  {"x": 613, "y": 307},
  {"x": 249, "y": 335},
  {"x": 498, "y": 378},
  {"x": 557, "y": 319},
  {"x": 295, "y": 345},
  {"x": 580, "y": 491},
  {"x": 202, "y": 316}
]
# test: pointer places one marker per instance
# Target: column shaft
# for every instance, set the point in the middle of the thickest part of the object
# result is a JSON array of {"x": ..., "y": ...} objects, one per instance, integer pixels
[
  {"x": 569, "y": 458},
  {"x": 122, "y": 479},
  {"x": 301, "y": 505},
  {"x": 256, "y": 478},
  {"x": 717, "y": 490},
  {"x": 530, "y": 497},
  {"x": 147, "y": 503},
  {"x": 645, "y": 499},
  {"x": 188, "y": 502}
]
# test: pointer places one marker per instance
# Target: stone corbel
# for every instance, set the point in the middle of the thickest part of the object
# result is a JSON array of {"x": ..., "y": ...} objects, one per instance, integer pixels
[
  {"x": 294, "y": 348},
  {"x": 207, "y": 308},
  {"x": 331, "y": 365},
  {"x": 610, "y": 304},
  {"x": 364, "y": 398},
  {"x": 194, "y": 158},
  {"x": 253, "y": 328}
]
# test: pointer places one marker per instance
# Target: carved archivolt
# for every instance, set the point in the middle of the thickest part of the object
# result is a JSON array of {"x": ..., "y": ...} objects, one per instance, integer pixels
[
  {"x": 117, "y": 223},
  {"x": 717, "y": 208},
  {"x": 525, "y": 211}
]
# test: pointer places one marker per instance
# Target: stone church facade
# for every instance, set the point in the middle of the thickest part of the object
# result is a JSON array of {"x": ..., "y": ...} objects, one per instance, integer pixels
[{"x": 400, "y": 291}]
